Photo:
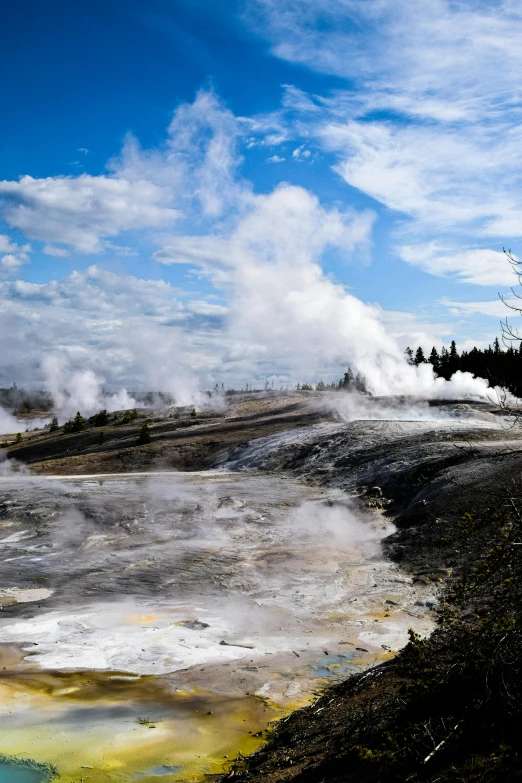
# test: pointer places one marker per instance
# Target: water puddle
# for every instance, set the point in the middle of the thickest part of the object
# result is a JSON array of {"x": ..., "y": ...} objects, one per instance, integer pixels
[{"x": 17, "y": 772}]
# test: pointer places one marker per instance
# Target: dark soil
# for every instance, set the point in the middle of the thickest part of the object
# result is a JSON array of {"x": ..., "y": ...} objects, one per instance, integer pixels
[
  {"x": 448, "y": 708},
  {"x": 445, "y": 709},
  {"x": 179, "y": 441}
]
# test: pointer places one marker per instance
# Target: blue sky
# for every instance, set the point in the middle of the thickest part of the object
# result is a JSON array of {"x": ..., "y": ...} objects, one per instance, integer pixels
[{"x": 193, "y": 191}]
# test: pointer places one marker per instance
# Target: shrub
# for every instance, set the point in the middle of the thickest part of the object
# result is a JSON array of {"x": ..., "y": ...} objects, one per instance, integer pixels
[
  {"x": 129, "y": 416},
  {"x": 100, "y": 419},
  {"x": 145, "y": 436},
  {"x": 75, "y": 425}
]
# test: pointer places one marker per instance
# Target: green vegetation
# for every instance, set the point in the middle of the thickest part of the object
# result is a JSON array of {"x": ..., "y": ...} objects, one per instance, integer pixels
[
  {"x": 53, "y": 425},
  {"x": 461, "y": 690},
  {"x": 145, "y": 436},
  {"x": 499, "y": 367},
  {"x": 100, "y": 419},
  {"x": 22, "y": 401},
  {"x": 129, "y": 416},
  {"x": 18, "y": 438},
  {"x": 75, "y": 425}
]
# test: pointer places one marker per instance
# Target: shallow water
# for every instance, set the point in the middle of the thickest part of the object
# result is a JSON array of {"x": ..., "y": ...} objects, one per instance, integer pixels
[
  {"x": 16, "y": 774},
  {"x": 174, "y": 616}
]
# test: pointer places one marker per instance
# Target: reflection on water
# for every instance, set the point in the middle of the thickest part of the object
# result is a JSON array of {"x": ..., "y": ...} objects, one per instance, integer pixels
[
  {"x": 336, "y": 665},
  {"x": 158, "y": 772}
]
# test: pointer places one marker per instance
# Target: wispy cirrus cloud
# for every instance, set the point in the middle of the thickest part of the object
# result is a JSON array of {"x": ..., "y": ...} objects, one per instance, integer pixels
[
  {"x": 495, "y": 308},
  {"x": 436, "y": 59},
  {"x": 428, "y": 122},
  {"x": 478, "y": 266}
]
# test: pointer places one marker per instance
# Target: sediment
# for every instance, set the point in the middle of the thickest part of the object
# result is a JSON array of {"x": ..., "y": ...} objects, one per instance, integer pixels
[{"x": 446, "y": 708}]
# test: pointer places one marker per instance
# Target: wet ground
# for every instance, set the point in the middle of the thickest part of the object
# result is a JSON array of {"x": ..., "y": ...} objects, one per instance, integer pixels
[{"x": 153, "y": 625}]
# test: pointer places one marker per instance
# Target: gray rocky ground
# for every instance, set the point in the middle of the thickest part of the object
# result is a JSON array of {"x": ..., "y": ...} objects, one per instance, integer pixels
[{"x": 298, "y": 545}]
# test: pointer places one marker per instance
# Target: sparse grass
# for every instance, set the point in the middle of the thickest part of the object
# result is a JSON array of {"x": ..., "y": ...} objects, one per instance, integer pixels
[{"x": 145, "y": 721}]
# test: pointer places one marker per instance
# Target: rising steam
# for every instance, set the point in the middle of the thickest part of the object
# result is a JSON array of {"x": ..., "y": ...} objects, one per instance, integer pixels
[{"x": 79, "y": 391}]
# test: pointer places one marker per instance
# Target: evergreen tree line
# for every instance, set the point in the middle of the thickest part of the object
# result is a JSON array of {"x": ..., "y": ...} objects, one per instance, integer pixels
[
  {"x": 349, "y": 382},
  {"x": 498, "y": 366}
]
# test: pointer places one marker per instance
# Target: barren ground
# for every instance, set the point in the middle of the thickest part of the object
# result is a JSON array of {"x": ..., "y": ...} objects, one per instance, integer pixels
[{"x": 238, "y": 587}]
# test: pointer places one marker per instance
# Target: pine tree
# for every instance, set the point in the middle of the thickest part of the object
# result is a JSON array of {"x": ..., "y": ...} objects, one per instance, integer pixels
[
  {"x": 454, "y": 359},
  {"x": 360, "y": 383},
  {"x": 74, "y": 425},
  {"x": 409, "y": 355},
  {"x": 54, "y": 424},
  {"x": 419, "y": 357},
  {"x": 101, "y": 419},
  {"x": 497, "y": 365},
  {"x": 145, "y": 436},
  {"x": 348, "y": 379},
  {"x": 434, "y": 359},
  {"x": 79, "y": 422}
]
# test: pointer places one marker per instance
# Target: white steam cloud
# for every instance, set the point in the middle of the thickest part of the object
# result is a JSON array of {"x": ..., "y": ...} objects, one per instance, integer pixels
[
  {"x": 278, "y": 312},
  {"x": 8, "y": 423},
  {"x": 79, "y": 391}
]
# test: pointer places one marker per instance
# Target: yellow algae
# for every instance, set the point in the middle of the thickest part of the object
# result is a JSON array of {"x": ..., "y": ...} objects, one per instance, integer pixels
[
  {"x": 115, "y": 730},
  {"x": 111, "y": 727},
  {"x": 140, "y": 618}
]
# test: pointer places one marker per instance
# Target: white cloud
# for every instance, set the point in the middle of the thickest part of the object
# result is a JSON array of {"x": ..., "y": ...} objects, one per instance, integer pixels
[
  {"x": 203, "y": 139},
  {"x": 13, "y": 256},
  {"x": 146, "y": 189},
  {"x": 429, "y": 123},
  {"x": 443, "y": 179},
  {"x": 276, "y": 159},
  {"x": 52, "y": 250},
  {"x": 82, "y": 211},
  {"x": 202, "y": 307},
  {"x": 281, "y": 313},
  {"x": 437, "y": 58},
  {"x": 479, "y": 266},
  {"x": 301, "y": 154},
  {"x": 6, "y": 245},
  {"x": 10, "y": 263},
  {"x": 496, "y": 308},
  {"x": 289, "y": 224},
  {"x": 285, "y": 316},
  {"x": 119, "y": 327}
]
